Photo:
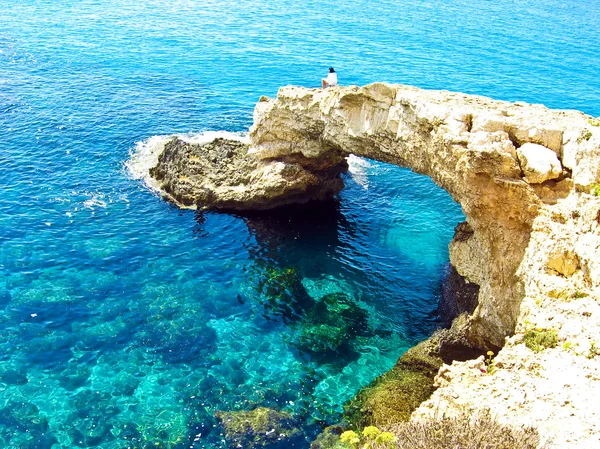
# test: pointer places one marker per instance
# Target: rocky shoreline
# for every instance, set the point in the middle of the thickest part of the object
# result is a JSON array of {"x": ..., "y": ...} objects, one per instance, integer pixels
[{"x": 527, "y": 180}]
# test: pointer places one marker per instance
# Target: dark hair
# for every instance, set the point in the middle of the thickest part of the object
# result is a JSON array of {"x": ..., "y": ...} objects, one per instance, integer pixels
[{"x": 331, "y": 70}]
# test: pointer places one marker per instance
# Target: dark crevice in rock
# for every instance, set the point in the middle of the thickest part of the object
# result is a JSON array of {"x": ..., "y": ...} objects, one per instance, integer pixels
[
  {"x": 458, "y": 296},
  {"x": 469, "y": 122},
  {"x": 454, "y": 343},
  {"x": 463, "y": 232},
  {"x": 513, "y": 138}
]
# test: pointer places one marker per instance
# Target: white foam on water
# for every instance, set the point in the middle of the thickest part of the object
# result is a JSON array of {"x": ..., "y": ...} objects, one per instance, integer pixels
[
  {"x": 357, "y": 167},
  {"x": 145, "y": 154},
  {"x": 95, "y": 201}
]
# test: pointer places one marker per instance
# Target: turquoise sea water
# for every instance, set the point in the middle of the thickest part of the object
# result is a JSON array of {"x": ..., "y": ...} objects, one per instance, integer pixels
[{"x": 127, "y": 322}]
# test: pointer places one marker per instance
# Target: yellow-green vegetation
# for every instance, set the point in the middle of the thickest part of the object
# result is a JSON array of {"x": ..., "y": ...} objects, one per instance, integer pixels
[
  {"x": 567, "y": 345},
  {"x": 393, "y": 396},
  {"x": 465, "y": 432},
  {"x": 489, "y": 363},
  {"x": 594, "y": 350},
  {"x": 594, "y": 122},
  {"x": 371, "y": 437},
  {"x": 586, "y": 134},
  {"x": 595, "y": 189},
  {"x": 385, "y": 438},
  {"x": 539, "y": 339},
  {"x": 259, "y": 428},
  {"x": 350, "y": 438}
]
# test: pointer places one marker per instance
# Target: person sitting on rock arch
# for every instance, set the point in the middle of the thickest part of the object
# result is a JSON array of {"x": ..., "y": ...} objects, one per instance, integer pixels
[{"x": 331, "y": 79}]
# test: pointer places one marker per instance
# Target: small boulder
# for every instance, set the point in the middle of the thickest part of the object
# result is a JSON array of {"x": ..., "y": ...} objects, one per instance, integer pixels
[
  {"x": 260, "y": 428},
  {"x": 538, "y": 163}
]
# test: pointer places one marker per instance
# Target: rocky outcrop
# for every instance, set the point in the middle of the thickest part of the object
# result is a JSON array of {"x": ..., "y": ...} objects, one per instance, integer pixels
[
  {"x": 222, "y": 175},
  {"x": 502, "y": 162},
  {"x": 526, "y": 178}
]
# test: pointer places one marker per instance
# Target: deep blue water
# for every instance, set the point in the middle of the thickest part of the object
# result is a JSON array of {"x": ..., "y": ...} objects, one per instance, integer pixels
[{"x": 127, "y": 322}]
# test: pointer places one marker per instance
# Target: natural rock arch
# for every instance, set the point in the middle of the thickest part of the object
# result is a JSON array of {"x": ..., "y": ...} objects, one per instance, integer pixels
[
  {"x": 504, "y": 163},
  {"x": 500, "y": 161}
]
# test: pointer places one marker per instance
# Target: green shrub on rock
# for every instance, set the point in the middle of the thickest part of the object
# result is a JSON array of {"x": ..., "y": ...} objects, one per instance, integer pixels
[{"x": 539, "y": 339}]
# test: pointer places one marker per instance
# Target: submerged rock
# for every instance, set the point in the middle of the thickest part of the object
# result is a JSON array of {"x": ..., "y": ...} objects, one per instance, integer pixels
[
  {"x": 283, "y": 295},
  {"x": 393, "y": 396},
  {"x": 329, "y": 439},
  {"x": 261, "y": 428},
  {"x": 334, "y": 321}
]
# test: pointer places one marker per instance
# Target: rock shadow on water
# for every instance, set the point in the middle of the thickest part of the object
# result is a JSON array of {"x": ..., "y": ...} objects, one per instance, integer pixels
[{"x": 289, "y": 234}]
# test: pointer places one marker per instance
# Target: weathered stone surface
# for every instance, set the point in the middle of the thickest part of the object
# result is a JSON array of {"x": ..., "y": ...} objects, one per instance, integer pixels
[
  {"x": 517, "y": 221},
  {"x": 222, "y": 175},
  {"x": 466, "y": 144},
  {"x": 539, "y": 163},
  {"x": 564, "y": 262},
  {"x": 555, "y": 390}
]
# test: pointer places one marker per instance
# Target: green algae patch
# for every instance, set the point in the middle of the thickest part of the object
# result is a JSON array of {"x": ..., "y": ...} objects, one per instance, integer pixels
[
  {"x": 283, "y": 296},
  {"x": 393, "y": 396},
  {"x": 259, "y": 428},
  {"x": 329, "y": 439},
  {"x": 334, "y": 321}
]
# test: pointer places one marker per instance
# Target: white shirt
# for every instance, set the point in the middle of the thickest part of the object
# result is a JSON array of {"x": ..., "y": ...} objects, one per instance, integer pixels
[{"x": 332, "y": 79}]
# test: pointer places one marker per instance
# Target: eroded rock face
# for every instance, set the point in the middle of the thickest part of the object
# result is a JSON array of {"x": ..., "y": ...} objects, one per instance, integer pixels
[
  {"x": 468, "y": 145},
  {"x": 502, "y": 162},
  {"x": 222, "y": 175},
  {"x": 525, "y": 177}
]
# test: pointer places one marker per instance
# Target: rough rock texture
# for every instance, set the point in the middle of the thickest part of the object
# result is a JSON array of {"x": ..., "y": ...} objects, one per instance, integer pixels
[
  {"x": 539, "y": 163},
  {"x": 530, "y": 242},
  {"x": 221, "y": 175},
  {"x": 557, "y": 389},
  {"x": 466, "y": 144},
  {"x": 394, "y": 395}
]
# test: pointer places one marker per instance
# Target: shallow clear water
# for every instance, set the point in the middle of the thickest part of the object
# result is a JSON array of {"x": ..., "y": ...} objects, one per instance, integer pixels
[{"x": 128, "y": 323}]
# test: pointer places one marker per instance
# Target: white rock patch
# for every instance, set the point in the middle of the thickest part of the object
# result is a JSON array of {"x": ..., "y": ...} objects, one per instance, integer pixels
[{"x": 539, "y": 163}]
